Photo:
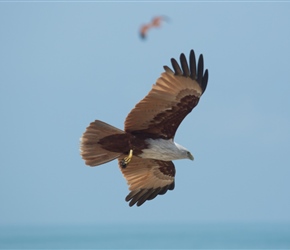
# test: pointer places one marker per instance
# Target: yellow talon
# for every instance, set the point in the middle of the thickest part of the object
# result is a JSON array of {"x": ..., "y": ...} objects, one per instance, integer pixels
[{"x": 127, "y": 159}]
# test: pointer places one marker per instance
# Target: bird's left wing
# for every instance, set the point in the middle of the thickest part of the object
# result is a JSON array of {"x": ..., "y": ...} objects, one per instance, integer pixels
[{"x": 147, "y": 178}]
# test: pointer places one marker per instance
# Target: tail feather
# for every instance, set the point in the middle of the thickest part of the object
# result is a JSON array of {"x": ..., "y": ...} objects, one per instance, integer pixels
[{"x": 91, "y": 151}]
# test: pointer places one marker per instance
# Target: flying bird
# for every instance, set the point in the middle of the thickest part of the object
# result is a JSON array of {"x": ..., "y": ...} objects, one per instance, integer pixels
[
  {"x": 156, "y": 22},
  {"x": 146, "y": 148}
]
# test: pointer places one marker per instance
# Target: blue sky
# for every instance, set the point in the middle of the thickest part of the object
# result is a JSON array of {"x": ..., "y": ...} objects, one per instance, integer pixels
[{"x": 65, "y": 64}]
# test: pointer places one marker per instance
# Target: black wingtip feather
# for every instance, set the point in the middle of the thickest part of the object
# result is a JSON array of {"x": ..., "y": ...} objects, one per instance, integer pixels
[
  {"x": 177, "y": 69},
  {"x": 145, "y": 197},
  {"x": 195, "y": 73},
  {"x": 171, "y": 186},
  {"x": 192, "y": 65},
  {"x": 136, "y": 197},
  {"x": 167, "y": 69},
  {"x": 204, "y": 80},
  {"x": 154, "y": 194},
  {"x": 184, "y": 65},
  {"x": 139, "y": 197},
  {"x": 200, "y": 69},
  {"x": 192, "y": 70}
]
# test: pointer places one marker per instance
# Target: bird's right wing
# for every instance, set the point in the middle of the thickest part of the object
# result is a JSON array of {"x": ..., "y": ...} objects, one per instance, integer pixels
[{"x": 170, "y": 100}]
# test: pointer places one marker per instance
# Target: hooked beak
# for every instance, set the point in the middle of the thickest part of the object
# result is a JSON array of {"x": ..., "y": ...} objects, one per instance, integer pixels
[{"x": 190, "y": 156}]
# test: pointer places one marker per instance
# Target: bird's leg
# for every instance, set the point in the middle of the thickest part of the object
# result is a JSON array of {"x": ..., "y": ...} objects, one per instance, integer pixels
[{"x": 127, "y": 159}]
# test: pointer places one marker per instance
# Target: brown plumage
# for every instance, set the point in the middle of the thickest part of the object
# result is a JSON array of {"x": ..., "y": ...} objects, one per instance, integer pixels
[
  {"x": 147, "y": 178},
  {"x": 149, "y": 132},
  {"x": 155, "y": 23}
]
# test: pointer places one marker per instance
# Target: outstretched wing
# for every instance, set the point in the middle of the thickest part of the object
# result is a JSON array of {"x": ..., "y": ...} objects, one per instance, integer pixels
[
  {"x": 147, "y": 178},
  {"x": 173, "y": 96},
  {"x": 156, "y": 22}
]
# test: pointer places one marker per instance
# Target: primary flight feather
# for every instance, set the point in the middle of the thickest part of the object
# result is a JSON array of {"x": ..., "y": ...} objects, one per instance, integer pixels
[{"x": 146, "y": 148}]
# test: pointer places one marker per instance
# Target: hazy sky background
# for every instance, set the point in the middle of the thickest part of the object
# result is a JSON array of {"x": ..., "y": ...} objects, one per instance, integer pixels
[{"x": 65, "y": 64}]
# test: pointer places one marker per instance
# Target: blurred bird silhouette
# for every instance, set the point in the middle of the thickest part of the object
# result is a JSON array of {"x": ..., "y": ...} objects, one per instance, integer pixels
[{"x": 156, "y": 22}]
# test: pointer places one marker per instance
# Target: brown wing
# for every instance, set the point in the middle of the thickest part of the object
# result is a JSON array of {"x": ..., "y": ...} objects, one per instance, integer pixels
[
  {"x": 147, "y": 178},
  {"x": 156, "y": 22},
  {"x": 143, "y": 30},
  {"x": 173, "y": 96}
]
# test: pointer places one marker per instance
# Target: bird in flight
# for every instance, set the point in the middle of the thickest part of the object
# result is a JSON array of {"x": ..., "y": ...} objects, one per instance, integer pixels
[
  {"x": 146, "y": 148},
  {"x": 156, "y": 22}
]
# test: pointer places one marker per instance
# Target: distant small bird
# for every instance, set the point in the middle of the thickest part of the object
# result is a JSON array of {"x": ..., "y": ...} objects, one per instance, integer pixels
[
  {"x": 156, "y": 22},
  {"x": 146, "y": 148}
]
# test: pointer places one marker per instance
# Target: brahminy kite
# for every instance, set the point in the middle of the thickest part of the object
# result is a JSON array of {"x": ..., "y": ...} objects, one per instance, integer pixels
[
  {"x": 155, "y": 23},
  {"x": 146, "y": 148}
]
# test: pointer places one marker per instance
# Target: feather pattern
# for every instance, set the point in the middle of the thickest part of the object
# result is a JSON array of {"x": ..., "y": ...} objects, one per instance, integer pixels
[
  {"x": 173, "y": 96},
  {"x": 147, "y": 178},
  {"x": 150, "y": 128}
]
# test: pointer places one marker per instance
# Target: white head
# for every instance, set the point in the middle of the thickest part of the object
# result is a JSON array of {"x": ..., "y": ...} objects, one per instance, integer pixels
[
  {"x": 184, "y": 152},
  {"x": 165, "y": 150}
]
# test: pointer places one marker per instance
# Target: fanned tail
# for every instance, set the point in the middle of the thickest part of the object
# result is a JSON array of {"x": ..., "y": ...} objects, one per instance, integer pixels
[{"x": 91, "y": 151}]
